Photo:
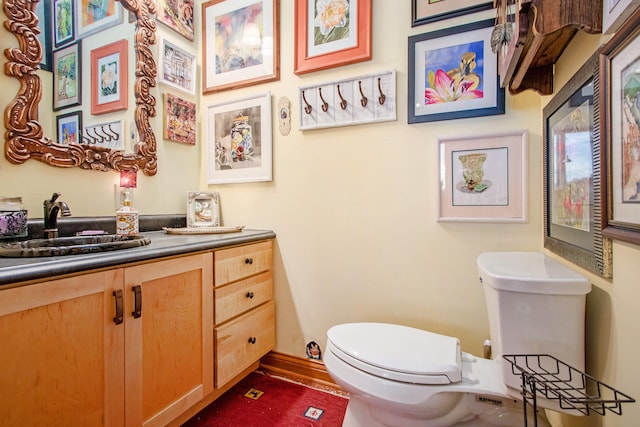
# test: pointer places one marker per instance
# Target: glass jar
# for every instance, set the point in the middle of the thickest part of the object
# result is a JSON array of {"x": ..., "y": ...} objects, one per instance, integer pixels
[{"x": 13, "y": 218}]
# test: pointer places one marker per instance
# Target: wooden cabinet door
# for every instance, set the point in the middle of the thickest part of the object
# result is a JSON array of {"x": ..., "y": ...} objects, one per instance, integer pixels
[
  {"x": 62, "y": 357},
  {"x": 169, "y": 347}
]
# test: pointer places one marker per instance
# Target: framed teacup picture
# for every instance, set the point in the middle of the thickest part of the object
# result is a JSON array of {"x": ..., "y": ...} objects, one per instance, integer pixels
[{"x": 203, "y": 210}]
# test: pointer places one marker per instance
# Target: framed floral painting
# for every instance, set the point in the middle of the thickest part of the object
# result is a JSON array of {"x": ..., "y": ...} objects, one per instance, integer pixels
[
  {"x": 331, "y": 33},
  {"x": 109, "y": 77},
  {"x": 453, "y": 74},
  {"x": 179, "y": 120},
  {"x": 240, "y": 43}
]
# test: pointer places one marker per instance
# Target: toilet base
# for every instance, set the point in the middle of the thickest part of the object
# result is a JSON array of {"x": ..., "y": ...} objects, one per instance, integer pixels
[{"x": 359, "y": 414}]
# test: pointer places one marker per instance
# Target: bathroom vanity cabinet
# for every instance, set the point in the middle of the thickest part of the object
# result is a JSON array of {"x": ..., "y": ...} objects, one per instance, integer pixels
[{"x": 136, "y": 344}]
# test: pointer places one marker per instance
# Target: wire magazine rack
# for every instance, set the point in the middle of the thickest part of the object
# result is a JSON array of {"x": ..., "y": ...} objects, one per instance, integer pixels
[{"x": 544, "y": 375}]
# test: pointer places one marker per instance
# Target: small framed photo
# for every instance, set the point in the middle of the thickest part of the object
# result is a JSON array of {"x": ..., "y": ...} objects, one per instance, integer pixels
[
  {"x": 109, "y": 77},
  {"x": 574, "y": 181},
  {"x": 179, "y": 120},
  {"x": 453, "y": 74},
  {"x": 63, "y": 22},
  {"x": 203, "y": 210},
  {"x": 177, "y": 15},
  {"x": 330, "y": 34},
  {"x": 240, "y": 43},
  {"x": 94, "y": 16},
  {"x": 67, "y": 72},
  {"x": 177, "y": 67},
  {"x": 43, "y": 11},
  {"x": 69, "y": 127},
  {"x": 484, "y": 178},
  {"x": 428, "y": 11},
  {"x": 238, "y": 135}
]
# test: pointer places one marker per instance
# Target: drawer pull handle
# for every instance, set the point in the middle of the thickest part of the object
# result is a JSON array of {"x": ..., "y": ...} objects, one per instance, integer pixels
[
  {"x": 119, "y": 307},
  {"x": 252, "y": 340},
  {"x": 248, "y": 261},
  {"x": 249, "y": 295},
  {"x": 137, "y": 298}
]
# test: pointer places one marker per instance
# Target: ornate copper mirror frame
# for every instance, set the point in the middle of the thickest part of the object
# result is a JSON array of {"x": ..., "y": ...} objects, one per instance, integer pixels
[{"x": 24, "y": 138}]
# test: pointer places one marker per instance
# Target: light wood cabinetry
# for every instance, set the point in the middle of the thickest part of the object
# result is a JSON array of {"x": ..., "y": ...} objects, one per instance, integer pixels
[
  {"x": 136, "y": 345},
  {"x": 244, "y": 310}
]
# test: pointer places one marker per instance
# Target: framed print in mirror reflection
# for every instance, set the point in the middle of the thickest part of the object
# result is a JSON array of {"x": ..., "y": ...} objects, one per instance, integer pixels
[
  {"x": 93, "y": 16},
  {"x": 69, "y": 128},
  {"x": 109, "y": 78},
  {"x": 43, "y": 11},
  {"x": 63, "y": 22},
  {"x": 67, "y": 72}
]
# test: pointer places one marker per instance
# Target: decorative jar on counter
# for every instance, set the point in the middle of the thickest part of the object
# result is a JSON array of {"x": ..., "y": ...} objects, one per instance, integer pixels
[{"x": 13, "y": 218}]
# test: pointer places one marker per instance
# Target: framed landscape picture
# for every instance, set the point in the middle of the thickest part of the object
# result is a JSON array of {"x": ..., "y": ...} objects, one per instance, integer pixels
[
  {"x": 67, "y": 86},
  {"x": 109, "y": 77}
]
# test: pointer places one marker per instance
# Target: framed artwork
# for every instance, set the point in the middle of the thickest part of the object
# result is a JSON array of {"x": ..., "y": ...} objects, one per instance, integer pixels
[
  {"x": 179, "y": 120},
  {"x": 67, "y": 71},
  {"x": 43, "y": 13},
  {"x": 329, "y": 34},
  {"x": 96, "y": 15},
  {"x": 453, "y": 74},
  {"x": 69, "y": 128},
  {"x": 428, "y": 11},
  {"x": 615, "y": 12},
  {"x": 240, "y": 43},
  {"x": 573, "y": 176},
  {"x": 106, "y": 135},
  {"x": 619, "y": 94},
  {"x": 484, "y": 178},
  {"x": 177, "y": 15},
  {"x": 109, "y": 77},
  {"x": 63, "y": 22},
  {"x": 177, "y": 67},
  {"x": 203, "y": 210},
  {"x": 238, "y": 135}
]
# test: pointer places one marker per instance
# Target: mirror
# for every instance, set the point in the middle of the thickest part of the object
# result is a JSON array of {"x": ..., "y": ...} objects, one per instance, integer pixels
[{"x": 25, "y": 139}]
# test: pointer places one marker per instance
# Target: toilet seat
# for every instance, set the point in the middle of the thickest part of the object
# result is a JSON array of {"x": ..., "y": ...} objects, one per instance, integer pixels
[{"x": 398, "y": 353}]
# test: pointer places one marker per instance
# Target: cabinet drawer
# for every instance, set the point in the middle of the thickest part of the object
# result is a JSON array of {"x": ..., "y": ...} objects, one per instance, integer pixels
[
  {"x": 244, "y": 341},
  {"x": 243, "y": 261},
  {"x": 233, "y": 300}
]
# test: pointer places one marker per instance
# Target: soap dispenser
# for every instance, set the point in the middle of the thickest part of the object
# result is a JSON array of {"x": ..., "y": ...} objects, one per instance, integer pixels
[{"x": 127, "y": 215}]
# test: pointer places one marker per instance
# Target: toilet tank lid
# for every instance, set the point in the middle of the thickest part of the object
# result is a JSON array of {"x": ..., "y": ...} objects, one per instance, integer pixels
[{"x": 530, "y": 272}]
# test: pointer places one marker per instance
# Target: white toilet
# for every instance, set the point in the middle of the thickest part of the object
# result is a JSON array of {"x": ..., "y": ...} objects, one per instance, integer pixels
[{"x": 398, "y": 376}]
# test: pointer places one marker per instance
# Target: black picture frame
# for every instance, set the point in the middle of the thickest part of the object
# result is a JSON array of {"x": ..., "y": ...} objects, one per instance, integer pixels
[
  {"x": 574, "y": 180},
  {"x": 72, "y": 120},
  {"x": 63, "y": 11},
  {"x": 43, "y": 12},
  {"x": 444, "y": 10}
]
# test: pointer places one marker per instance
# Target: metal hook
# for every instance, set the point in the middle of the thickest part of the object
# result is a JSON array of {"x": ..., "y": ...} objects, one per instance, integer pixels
[
  {"x": 106, "y": 137},
  {"x": 343, "y": 102},
  {"x": 83, "y": 138},
  {"x": 382, "y": 96},
  {"x": 97, "y": 138},
  {"x": 325, "y": 104},
  {"x": 364, "y": 100},
  {"x": 307, "y": 107},
  {"x": 116, "y": 135}
]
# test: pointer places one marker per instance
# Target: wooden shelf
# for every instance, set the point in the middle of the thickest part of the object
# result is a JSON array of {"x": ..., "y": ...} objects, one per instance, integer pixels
[{"x": 542, "y": 31}]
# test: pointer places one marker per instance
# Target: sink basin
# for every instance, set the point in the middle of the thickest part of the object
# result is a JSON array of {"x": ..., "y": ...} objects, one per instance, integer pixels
[{"x": 70, "y": 245}]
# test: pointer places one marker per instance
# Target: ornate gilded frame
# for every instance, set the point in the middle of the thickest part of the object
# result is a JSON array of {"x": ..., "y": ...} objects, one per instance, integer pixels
[{"x": 24, "y": 136}]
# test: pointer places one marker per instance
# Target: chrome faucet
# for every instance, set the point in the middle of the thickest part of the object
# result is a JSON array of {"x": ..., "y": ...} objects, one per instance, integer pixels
[{"x": 52, "y": 208}]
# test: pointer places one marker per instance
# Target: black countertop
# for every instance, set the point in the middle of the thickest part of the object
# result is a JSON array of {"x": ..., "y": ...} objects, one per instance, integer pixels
[{"x": 14, "y": 270}]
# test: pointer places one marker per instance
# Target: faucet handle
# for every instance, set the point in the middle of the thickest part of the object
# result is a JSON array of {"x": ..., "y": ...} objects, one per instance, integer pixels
[{"x": 54, "y": 197}]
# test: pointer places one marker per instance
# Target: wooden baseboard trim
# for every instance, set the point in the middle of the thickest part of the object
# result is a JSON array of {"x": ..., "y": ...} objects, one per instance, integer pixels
[{"x": 300, "y": 369}]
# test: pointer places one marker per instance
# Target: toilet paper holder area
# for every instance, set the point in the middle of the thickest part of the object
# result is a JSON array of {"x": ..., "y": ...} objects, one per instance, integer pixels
[{"x": 546, "y": 376}]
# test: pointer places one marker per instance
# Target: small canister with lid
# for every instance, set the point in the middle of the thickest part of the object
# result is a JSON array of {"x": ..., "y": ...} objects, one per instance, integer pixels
[{"x": 13, "y": 218}]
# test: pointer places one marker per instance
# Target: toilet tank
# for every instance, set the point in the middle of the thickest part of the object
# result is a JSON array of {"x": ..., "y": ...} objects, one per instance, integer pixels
[{"x": 535, "y": 305}]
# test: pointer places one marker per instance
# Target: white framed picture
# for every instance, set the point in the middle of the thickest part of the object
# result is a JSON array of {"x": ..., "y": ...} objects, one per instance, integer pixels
[
  {"x": 203, "y": 210},
  {"x": 95, "y": 16},
  {"x": 176, "y": 67}
]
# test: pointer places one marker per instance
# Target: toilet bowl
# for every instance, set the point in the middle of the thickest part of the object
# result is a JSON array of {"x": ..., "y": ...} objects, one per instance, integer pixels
[{"x": 406, "y": 377}]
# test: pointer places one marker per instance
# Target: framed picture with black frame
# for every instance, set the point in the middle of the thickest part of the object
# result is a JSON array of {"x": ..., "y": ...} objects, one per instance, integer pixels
[{"x": 64, "y": 22}]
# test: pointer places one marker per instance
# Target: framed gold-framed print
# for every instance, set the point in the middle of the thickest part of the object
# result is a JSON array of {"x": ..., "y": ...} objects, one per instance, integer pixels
[
  {"x": 428, "y": 11},
  {"x": 203, "y": 209},
  {"x": 453, "y": 74},
  {"x": 619, "y": 94},
  {"x": 176, "y": 67},
  {"x": 67, "y": 72},
  {"x": 109, "y": 77},
  {"x": 484, "y": 178},
  {"x": 331, "y": 33},
  {"x": 179, "y": 120},
  {"x": 574, "y": 180},
  {"x": 94, "y": 16},
  {"x": 240, "y": 43},
  {"x": 239, "y": 145}
]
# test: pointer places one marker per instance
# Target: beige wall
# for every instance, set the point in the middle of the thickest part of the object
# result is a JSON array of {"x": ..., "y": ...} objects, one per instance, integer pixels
[{"x": 354, "y": 209}]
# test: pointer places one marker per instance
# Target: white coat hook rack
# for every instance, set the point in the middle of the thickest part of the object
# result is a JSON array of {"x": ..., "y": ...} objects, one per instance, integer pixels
[{"x": 347, "y": 102}]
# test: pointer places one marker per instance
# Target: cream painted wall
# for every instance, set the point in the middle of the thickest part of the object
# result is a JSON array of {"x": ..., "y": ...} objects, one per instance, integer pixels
[{"x": 354, "y": 209}]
